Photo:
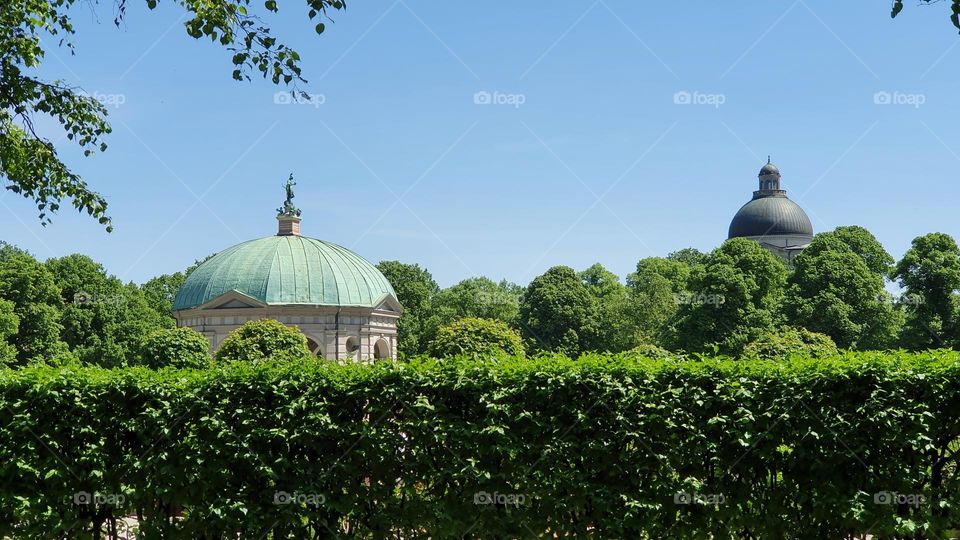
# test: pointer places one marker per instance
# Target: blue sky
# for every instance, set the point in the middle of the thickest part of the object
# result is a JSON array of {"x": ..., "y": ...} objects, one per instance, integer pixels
[{"x": 583, "y": 157}]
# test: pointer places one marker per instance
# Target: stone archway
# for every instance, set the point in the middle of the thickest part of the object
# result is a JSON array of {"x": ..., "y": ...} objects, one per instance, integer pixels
[{"x": 381, "y": 349}]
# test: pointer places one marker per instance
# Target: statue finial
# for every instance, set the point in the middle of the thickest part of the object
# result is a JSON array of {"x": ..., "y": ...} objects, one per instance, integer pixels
[
  {"x": 288, "y": 208},
  {"x": 768, "y": 162}
]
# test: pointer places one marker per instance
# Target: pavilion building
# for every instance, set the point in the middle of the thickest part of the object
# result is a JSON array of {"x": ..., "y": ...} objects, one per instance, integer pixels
[{"x": 342, "y": 303}]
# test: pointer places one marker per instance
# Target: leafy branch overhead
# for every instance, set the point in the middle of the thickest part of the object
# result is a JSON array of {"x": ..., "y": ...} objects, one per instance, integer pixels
[
  {"x": 954, "y": 9},
  {"x": 29, "y": 161}
]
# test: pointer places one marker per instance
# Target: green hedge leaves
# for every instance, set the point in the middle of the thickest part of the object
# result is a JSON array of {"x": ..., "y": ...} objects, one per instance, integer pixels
[{"x": 604, "y": 446}]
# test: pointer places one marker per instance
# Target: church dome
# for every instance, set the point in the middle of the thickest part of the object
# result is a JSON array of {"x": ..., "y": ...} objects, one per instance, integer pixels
[
  {"x": 771, "y": 215},
  {"x": 769, "y": 168},
  {"x": 770, "y": 212},
  {"x": 287, "y": 269}
]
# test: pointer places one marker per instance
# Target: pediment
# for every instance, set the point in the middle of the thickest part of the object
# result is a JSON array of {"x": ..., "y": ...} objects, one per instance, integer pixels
[
  {"x": 233, "y": 299},
  {"x": 388, "y": 303}
]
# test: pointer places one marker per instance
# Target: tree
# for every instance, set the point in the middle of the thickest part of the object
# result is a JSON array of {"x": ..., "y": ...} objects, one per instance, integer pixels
[
  {"x": 689, "y": 256},
  {"x": 478, "y": 297},
  {"x": 557, "y": 313},
  {"x": 615, "y": 329},
  {"x": 832, "y": 291},
  {"x": 864, "y": 244},
  {"x": 37, "y": 304},
  {"x": 177, "y": 347},
  {"x": 104, "y": 321},
  {"x": 161, "y": 291},
  {"x": 930, "y": 274},
  {"x": 30, "y": 162},
  {"x": 415, "y": 289},
  {"x": 734, "y": 298},
  {"x": 954, "y": 10},
  {"x": 783, "y": 342},
  {"x": 9, "y": 326},
  {"x": 654, "y": 290},
  {"x": 261, "y": 340},
  {"x": 476, "y": 337}
]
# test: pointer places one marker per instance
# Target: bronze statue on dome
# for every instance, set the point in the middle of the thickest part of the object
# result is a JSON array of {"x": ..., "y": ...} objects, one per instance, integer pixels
[{"x": 288, "y": 208}]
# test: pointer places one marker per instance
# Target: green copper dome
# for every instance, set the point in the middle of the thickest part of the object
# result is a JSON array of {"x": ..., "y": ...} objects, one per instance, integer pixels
[{"x": 287, "y": 269}]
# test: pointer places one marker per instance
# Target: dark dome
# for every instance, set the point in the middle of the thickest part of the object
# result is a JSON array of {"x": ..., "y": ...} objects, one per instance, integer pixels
[
  {"x": 769, "y": 168},
  {"x": 768, "y": 216}
]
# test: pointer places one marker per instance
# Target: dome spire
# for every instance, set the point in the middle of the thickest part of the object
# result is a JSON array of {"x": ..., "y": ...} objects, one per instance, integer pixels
[
  {"x": 288, "y": 215},
  {"x": 769, "y": 180}
]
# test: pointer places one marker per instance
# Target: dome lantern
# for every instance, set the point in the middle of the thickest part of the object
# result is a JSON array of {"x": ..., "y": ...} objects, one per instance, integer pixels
[{"x": 769, "y": 179}]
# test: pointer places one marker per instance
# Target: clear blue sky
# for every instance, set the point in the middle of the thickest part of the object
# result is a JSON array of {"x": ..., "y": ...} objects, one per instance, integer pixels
[{"x": 598, "y": 164}]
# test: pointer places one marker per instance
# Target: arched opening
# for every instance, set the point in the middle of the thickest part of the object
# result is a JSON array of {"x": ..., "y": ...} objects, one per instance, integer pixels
[
  {"x": 315, "y": 347},
  {"x": 381, "y": 349},
  {"x": 352, "y": 346}
]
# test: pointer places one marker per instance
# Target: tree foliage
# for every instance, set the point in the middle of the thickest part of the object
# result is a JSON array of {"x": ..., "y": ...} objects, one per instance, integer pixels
[
  {"x": 9, "y": 326},
  {"x": 954, "y": 9},
  {"x": 614, "y": 331},
  {"x": 930, "y": 275},
  {"x": 261, "y": 340},
  {"x": 415, "y": 290},
  {"x": 37, "y": 304},
  {"x": 29, "y": 160},
  {"x": 656, "y": 290},
  {"x": 788, "y": 341},
  {"x": 832, "y": 291},
  {"x": 104, "y": 321},
  {"x": 476, "y": 337},
  {"x": 864, "y": 244},
  {"x": 558, "y": 313},
  {"x": 733, "y": 299},
  {"x": 176, "y": 347},
  {"x": 478, "y": 297}
]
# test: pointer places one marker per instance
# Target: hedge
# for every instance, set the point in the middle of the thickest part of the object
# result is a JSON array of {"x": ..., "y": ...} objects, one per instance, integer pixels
[{"x": 603, "y": 446}]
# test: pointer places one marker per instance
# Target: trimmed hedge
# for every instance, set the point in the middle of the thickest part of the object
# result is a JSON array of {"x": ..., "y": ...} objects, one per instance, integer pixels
[{"x": 602, "y": 446}]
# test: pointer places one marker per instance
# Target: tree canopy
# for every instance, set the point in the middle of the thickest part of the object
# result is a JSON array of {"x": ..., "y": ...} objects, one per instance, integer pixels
[
  {"x": 930, "y": 274},
  {"x": 558, "y": 313},
  {"x": 832, "y": 291},
  {"x": 262, "y": 340},
  {"x": 415, "y": 290},
  {"x": 476, "y": 337},
  {"x": 733, "y": 298},
  {"x": 740, "y": 300}
]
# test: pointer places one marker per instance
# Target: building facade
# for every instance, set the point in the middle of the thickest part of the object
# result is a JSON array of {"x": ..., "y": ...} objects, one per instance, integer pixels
[
  {"x": 341, "y": 302},
  {"x": 772, "y": 219}
]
